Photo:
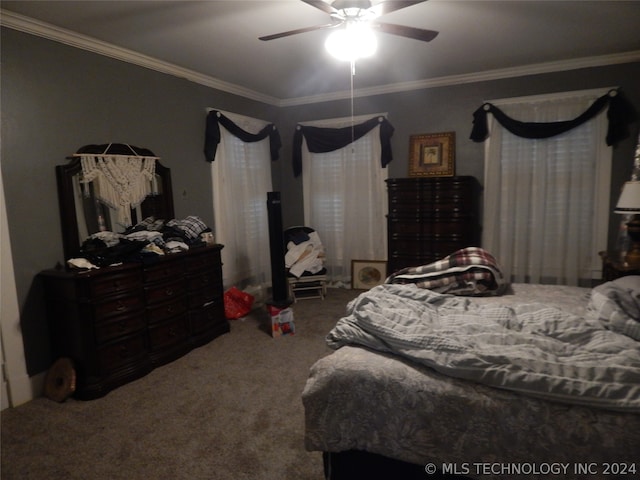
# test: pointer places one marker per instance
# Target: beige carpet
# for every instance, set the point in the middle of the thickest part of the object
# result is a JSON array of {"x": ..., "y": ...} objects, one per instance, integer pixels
[{"x": 230, "y": 410}]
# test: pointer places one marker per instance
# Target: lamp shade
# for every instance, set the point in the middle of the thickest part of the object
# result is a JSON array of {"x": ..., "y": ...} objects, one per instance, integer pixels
[{"x": 629, "y": 201}]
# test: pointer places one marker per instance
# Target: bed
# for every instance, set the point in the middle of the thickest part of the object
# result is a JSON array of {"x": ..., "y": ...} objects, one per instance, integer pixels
[{"x": 383, "y": 404}]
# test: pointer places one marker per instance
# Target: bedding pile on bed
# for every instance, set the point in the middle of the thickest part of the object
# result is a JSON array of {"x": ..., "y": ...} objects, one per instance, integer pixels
[
  {"x": 617, "y": 305},
  {"x": 530, "y": 348},
  {"x": 469, "y": 271}
]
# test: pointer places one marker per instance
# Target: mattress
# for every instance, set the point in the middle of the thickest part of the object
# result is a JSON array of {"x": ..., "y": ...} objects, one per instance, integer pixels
[{"x": 360, "y": 399}]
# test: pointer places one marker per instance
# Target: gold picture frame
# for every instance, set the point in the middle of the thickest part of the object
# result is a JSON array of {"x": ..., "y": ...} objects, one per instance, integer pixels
[
  {"x": 366, "y": 274},
  {"x": 432, "y": 155}
]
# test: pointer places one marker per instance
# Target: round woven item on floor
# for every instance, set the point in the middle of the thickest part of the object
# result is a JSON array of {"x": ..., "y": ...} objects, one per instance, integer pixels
[{"x": 60, "y": 381}]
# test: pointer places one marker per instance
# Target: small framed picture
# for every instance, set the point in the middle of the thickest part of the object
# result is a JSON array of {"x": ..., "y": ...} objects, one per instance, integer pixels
[
  {"x": 366, "y": 274},
  {"x": 432, "y": 155}
]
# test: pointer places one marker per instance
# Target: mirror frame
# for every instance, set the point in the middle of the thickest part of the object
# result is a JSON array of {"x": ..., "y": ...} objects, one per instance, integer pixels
[{"x": 70, "y": 233}]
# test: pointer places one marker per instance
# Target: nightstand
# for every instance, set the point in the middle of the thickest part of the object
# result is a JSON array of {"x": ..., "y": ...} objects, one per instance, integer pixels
[{"x": 613, "y": 267}]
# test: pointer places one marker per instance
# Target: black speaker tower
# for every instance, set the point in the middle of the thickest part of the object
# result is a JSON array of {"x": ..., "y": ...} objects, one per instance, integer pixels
[{"x": 279, "y": 285}]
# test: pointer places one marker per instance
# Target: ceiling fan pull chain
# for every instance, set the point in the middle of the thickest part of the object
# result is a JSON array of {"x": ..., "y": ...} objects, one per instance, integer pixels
[{"x": 353, "y": 73}]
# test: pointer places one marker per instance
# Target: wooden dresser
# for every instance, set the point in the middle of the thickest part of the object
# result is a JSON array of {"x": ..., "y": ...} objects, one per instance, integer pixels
[
  {"x": 430, "y": 218},
  {"x": 118, "y": 323}
]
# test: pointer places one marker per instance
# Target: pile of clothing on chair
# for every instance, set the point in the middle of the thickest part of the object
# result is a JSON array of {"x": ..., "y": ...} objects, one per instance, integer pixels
[{"x": 305, "y": 253}]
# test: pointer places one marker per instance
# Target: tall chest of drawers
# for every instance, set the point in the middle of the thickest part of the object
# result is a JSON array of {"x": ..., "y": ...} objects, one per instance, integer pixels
[
  {"x": 430, "y": 218},
  {"x": 118, "y": 323}
]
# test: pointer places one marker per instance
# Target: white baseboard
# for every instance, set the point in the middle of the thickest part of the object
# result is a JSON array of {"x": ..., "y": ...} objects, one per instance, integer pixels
[{"x": 23, "y": 389}]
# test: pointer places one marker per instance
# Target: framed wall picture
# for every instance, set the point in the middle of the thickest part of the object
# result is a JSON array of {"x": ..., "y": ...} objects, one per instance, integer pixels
[
  {"x": 366, "y": 274},
  {"x": 432, "y": 155}
]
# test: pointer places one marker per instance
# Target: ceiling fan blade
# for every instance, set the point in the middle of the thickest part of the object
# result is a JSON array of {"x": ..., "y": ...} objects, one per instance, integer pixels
[
  {"x": 320, "y": 5},
  {"x": 391, "y": 6},
  {"x": 404, "y": 31},
  {"x": 297, "y": 31}
]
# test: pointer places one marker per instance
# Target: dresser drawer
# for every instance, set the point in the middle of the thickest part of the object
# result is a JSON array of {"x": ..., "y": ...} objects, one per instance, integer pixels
[
  {"x": 115, "y": 283},
  {"x": 163, "y": 271},
  {"x": 423, "y": 200},
  {"x": 119, "y": 306},
  {"x": 128, "y": 350},
  {"x": 455, "y": 225},
  {"x": 207, "y": 317},
  {"x": 166, "y": 291},
  {"x": 452, "y": 226},
  {"x": 119, "y": 326},
  {"x": 204, "y": 296},
  {"x": 208, "y": 260},
  {"x": 169, "y": 333},
  {"x": 413, "y": 252},
  {"x": 209, "y": 280},
  {"x": 159, "y": 312}
]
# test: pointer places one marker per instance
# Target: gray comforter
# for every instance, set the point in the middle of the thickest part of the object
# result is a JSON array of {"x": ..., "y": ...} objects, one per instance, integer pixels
[{"x": 530, "y": 348}]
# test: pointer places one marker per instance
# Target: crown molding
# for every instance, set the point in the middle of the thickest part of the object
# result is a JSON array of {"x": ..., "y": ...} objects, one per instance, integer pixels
[
  {"x": 498, "y": 74},
  {"x": 67, "y": 37},
  {"x": 41, "y": 29}
]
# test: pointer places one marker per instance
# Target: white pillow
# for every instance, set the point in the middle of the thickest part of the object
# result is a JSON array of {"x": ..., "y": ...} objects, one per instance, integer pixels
[
  {"x": 630, "y": 282},
  {"x": 617, "y": 305}
]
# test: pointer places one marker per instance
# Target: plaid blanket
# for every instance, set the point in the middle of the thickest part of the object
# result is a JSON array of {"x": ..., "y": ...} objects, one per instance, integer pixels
[
  {"x": 469, "y": 271},
  {"x": 191, "y": 226}
]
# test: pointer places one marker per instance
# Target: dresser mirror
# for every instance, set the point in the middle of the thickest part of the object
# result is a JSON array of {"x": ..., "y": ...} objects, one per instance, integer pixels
[{"x": 82, "y": 214}]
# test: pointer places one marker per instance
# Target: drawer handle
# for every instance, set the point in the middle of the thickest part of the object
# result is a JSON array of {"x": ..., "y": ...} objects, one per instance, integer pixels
[
  {"x": 168, "y": 292},
  {"x": 173, "y": 332},
  {"x": 121, "y": 306},
  {"x": 124, "y": 351},
  {"x": 117, "y": 285},
  {"x": 122, "y": 325}
]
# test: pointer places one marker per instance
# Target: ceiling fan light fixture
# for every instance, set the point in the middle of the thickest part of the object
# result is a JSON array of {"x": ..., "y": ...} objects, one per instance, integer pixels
[{"x": 355, "y": 41}]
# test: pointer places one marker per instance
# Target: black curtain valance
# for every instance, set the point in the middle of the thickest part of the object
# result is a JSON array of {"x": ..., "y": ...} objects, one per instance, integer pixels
[
  {"x": 212, "y": 135},
  {"x": 323, "y": 140},
  {"x": 620, "y": 114}
]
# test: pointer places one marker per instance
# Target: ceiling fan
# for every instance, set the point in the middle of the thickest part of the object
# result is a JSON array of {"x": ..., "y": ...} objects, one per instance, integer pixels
[{"x": 347, "y": 12}]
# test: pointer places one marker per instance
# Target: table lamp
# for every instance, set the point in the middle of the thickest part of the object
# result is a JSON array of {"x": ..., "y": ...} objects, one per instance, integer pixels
[{"x": 629, "y": 204}]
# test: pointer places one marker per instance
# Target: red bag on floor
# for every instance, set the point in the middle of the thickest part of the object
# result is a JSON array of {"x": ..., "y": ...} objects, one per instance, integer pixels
[{"x": 237, "y": 303}]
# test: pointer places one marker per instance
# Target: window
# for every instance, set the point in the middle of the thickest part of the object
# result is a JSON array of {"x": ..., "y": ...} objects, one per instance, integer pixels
[
  {"x": 345, "y": 200},
  {"x": 546, "y": 202},
  {"x": 241, "y": 178}
]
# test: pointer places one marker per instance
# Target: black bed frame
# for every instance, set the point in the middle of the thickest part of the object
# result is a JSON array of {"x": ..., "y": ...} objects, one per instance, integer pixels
[{"x": 355, "y": 464}]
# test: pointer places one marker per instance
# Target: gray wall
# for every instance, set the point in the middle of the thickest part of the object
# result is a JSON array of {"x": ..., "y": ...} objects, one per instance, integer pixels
[
  {"x": 57, "y": 98},
  {"x": 450, "y": 109}
]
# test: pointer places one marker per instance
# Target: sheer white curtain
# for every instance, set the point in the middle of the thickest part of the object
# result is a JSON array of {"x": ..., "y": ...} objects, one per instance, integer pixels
[
  {"x": 546, "y": 202},
  {"x": 345, "y": 200},
  {"x": 241, "y": 178}
]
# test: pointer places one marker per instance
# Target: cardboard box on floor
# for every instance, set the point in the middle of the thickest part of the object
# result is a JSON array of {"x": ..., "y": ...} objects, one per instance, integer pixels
[{"x": 281, "y": 321}]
